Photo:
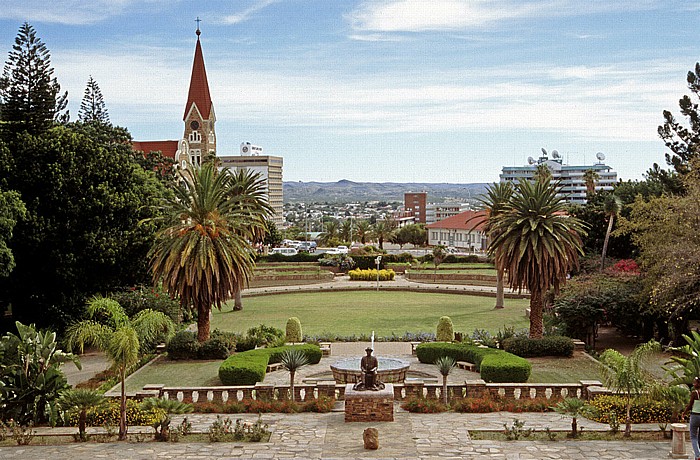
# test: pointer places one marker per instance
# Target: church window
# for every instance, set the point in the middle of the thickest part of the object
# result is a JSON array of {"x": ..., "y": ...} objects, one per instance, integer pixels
[
  {"x": 196, "y": 157},
  {"x": 195, "y": 137},
  {"x": 211, "y": 137}
]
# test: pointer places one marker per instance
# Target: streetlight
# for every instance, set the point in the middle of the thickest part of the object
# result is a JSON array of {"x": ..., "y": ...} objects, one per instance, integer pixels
[{"x": 377, "y": 261}]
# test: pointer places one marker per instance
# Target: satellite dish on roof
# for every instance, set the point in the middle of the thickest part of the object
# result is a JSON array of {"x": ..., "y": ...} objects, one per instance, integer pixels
[
  {"x": 544, "y": 151},
  {"x": 555, "y": 154},
  {"x": 600, "y": 156},
  {"x": 530, "y": 161}
]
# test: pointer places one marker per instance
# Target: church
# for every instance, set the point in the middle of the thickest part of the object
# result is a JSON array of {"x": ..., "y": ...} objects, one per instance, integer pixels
[{"x": 199, "y": 139}]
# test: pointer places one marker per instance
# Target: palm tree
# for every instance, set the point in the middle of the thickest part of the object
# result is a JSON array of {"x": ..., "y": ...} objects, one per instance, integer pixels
[
  {"x": 627, "y": 374},
  {"x": 542, "y": 173},
  {"x": 382, "y": 231},
  {"x": 590, "y": 178},
  {"x": 611, "y": 207},
  {"x": 82, "y": 400},
  {"x": 444, "y": 365},
  {"x": 292, "y": 360},
  {"x": 111, "y": 330},
  {"x": 493, "y": 202},
  {"x": 346, "y": 231},
  {"x": 536, "y": 243},
  {"x": 166, "y": 407},
  {"x": 249, "y": 188},
  {"x": 575, "y": 408},
  {"x": 363, "y": 229},
  {"x": 439, "y": 254},
  {"x": 204, "y": 253},
  {"x": 329, "y": 237}
]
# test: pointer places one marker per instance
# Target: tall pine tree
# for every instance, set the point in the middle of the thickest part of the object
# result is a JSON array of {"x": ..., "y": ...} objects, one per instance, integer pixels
[
  {"x": 30, "y": 98},
  {"x": 92, "y": 108}
]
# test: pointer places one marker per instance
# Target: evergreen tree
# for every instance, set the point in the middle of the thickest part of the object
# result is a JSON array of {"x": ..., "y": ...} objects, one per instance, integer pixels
[
  {"x": 92, "y": 108},
  {"x": 30, "y": 98}
]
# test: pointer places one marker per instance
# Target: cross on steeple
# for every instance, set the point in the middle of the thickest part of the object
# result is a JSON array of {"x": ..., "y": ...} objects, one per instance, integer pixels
[{"x": 198, "y": 21}]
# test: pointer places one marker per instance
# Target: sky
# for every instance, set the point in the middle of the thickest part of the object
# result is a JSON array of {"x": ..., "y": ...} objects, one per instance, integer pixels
[{"x": 385, "y": 90}]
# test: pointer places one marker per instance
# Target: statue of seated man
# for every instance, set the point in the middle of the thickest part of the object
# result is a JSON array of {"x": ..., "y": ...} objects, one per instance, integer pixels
[{"x": 369, "y": 380}]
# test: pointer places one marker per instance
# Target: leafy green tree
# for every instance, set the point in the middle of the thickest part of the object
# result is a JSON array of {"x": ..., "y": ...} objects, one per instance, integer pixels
[
  {"x": 538, "y": 244},
  {"x": 273, "y": 237},
  {"x": 493, "y": 203},
  {"x": 92, "y": 107},
  {"x": 683, "y": 141},
  {"x": 612, "y": 208},
  {"x": 204, "y": 253},
  {"x": 85, "y": 196},
  {"x": 120, "y": 337},
  {"x": 30, "y": 98},
  {"x": 438, "y": 254},
  {"x": 542, "y": 173},
  {"x": 415, "y": 234},
  {"x": 11, "y": 210},
  {"x": 31, "y": 379},
  {"x": 81, "y": 400},
  {"x": 628, "y": 374}
]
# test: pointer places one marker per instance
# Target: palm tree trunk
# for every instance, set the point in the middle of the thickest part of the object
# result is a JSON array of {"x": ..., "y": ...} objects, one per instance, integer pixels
[
  {"x": 628, "y": 418},
  {"x": 122, "y": 405},
  {"x": 381, "y": 243},
  {"x": 499, "y": 289},
  {"x": 82, "y": 418},
  {"x": 202, "y": 324},
  {"x": 444, "y": 388},
  {"x": 536, "y": 314},
  {"x": 237, "y": 300},
  {"x": 605, "y": 243},
  {"x": 291, "y": 382}
]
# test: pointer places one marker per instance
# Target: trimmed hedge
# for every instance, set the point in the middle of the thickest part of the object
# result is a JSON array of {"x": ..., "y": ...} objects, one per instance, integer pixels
[
  {"x": 445, "y": 330},
  {"x": 371, "y": 274},
  {"x": 300, "y": 257},
  {"x": 555, "y": 345},
  {"x": 495, "y": 366},
  {"x": 249, "y": 367},
  {"x": 294, "y": 330}
]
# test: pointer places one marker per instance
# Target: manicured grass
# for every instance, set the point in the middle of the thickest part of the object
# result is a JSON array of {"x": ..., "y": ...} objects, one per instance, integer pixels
[
  {"x": 361, "y": 312},
  {"x": 563, "y": 370},
  {"x": 180, "y": 373}
]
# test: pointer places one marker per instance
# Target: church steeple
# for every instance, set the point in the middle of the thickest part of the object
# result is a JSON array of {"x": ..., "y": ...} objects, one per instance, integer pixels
[{"x": 199, "y": 111}]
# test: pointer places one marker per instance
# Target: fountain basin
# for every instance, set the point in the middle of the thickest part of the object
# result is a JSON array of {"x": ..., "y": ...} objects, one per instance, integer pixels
[{"x": 390, "y": 370}]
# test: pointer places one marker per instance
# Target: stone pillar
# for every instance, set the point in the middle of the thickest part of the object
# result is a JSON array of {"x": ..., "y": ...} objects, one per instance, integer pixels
[
  {"x": 369, "y": 406},
  {"x": 264, "y": 392},
  {"x": 475, "y": 388},
  {"x": 326, "y": 389},
  {"x": 678, "y": 441}
]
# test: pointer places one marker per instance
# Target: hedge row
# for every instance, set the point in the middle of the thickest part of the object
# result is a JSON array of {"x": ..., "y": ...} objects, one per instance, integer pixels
[
  {"x": 300, "y": 257},
  {"x": 526, "y": 347},
  {"x": 372, "y": 275},
  {"x": 249, "y": 367},
  {"x": 367, "y": 261},
  {"x": 494, "y": 365}
]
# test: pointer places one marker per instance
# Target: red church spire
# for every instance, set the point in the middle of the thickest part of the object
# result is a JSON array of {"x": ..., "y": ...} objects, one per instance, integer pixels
[{"x": 199, "y": 86}]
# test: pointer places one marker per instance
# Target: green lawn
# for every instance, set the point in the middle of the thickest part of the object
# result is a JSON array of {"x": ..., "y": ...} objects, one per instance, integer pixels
[
  {"x": 563, "y": 370},
  {"x": 361, "y": 312},
  {"x": 176, "y": 373}
]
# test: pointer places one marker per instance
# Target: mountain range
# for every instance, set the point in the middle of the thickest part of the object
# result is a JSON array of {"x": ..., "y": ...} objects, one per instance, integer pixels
[{"x": 346, "y": 191}]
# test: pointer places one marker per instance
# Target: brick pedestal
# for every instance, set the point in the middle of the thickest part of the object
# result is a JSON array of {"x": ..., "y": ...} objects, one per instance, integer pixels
[{"x": 369, "y": 406}]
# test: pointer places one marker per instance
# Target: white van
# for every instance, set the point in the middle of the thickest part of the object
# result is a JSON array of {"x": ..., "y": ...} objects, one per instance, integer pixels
[{"x": 285, "y": 251}]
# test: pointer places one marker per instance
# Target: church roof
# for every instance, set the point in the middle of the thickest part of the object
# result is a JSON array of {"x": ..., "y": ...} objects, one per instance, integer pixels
[
  {"x": 199, "y": 87},
  {"x": 167, "y": 148}
]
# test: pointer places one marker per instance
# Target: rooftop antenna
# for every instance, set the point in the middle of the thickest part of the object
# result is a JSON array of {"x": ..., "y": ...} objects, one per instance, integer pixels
[{"x": 198, "y": 32}]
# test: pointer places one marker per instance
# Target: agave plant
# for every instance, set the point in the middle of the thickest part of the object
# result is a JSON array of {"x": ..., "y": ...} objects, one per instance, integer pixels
[{"x": 293, "y": 360}]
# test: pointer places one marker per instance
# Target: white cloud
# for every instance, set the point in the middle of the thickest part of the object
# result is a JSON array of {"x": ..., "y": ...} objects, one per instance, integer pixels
[
  {"x": 248, "y": 12},
  {"x": 72, "y": 12},
  {"x": 433, "y": 15}
]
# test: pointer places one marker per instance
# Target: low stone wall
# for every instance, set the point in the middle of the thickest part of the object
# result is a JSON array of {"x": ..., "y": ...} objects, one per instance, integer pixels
[{"x": 426, "y": 275}]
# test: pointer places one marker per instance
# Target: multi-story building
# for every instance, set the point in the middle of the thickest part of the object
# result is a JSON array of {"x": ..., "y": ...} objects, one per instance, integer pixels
[
  {"x": 270, "y": 169},
  {"x": 438, "y": 211},
  {"x": 462, "y": 231},
  {"x": 199, "y": 139},
  {"x": 570, "y": 178},
  {"x": 416, "y": 203}
]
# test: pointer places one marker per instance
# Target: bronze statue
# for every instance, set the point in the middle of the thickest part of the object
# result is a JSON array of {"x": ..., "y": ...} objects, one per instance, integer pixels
[{"x": 369, "y": 380}]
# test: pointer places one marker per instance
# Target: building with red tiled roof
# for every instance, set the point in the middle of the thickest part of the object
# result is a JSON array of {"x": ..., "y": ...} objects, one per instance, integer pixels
[{"x": 463, "y": 231}]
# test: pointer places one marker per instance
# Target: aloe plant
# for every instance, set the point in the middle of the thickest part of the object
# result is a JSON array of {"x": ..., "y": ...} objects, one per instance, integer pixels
[
  {"x": 293, "y": 360},
  {"x": 444, "y": 365}
]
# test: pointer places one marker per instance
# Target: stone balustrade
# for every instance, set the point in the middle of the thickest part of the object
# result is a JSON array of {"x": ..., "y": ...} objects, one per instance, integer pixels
[{"x": 585, "y": 389}]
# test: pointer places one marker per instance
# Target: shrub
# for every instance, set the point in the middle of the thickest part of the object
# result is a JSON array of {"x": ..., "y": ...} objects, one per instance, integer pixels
[
  {"x": 183, "y": 345},
  {"x": 489, "y": 403},
  {"x": 215, "y": 348},
  {"x": 546, "y": 346},
  {"x": 493, "y": 364},
  {"x": 423, "y": 405},
  {"x": 294, "y": 334},
  {"x": 371, "y": 275},
  {"x": 445, "y": 330},
  {"x": 108, "y": 414},
  {"x": 249, "y": 367},
  {"x": 300, "y": 257},
  {"x": 255, "y": 406},
  {"x": 644, "y": 410},
  {"x": 142, "y": 297},
  {"x": 266, "y": 335},
  {"x": 230, "y": 338}
]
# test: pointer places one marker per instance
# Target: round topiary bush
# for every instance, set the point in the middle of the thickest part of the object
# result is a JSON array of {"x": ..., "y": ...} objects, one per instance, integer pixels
[
  {"x": 294, "y": 334},
  {"x": 445, "y": 330}
]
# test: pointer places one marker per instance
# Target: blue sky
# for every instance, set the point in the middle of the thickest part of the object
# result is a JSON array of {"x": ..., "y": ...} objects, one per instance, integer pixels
[{"x": 385, "y": 90}]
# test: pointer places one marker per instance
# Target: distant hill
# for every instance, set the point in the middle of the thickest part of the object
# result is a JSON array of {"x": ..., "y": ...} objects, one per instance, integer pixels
[{"x": 345, "y": 191}]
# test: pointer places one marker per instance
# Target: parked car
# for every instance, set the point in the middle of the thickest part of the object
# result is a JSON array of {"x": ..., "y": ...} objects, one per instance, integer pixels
[
  {"x": 285, "y": 251},
  {"x": 342, "y": 249},
  {"x": 307, "y": 246}
]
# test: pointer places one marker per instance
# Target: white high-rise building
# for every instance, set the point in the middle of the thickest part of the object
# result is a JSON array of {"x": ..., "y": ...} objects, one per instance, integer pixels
[{"x": 569, "y": 177}]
